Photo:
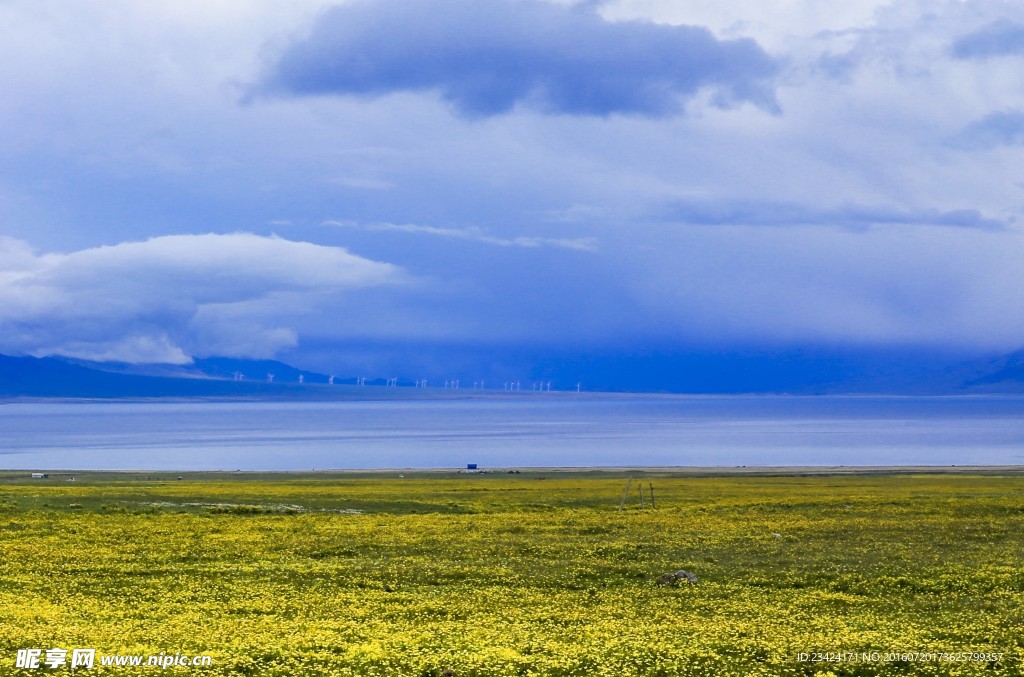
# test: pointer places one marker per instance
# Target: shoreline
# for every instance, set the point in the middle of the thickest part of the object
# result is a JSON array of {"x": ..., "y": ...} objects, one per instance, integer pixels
[
  {"x": 676, "y": 471},
  {"x": 345, "y": 393}
]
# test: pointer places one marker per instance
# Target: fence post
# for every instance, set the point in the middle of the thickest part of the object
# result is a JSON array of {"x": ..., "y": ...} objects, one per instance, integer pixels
[{"x": 622, "y": 503}]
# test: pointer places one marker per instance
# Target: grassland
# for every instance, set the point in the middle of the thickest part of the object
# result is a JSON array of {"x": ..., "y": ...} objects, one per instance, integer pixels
[{"x": 528, "y": 574}]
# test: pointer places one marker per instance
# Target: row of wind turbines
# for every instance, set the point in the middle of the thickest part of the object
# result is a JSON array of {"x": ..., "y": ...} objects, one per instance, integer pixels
[{"x": 449, "y": 384}]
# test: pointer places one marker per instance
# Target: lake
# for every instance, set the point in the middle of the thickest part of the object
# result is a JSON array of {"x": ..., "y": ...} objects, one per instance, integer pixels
[{"x": 539, "y": 430}]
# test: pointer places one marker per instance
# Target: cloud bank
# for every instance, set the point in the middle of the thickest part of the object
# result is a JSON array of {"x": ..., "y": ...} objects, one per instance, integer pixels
[
  {"x": 486, "y": 58},
  {"x": 998, "y": 38},
  {"x": 1002, "y": 128},
  {"x": 568, "y": 205},
  {"x": 168, "y": 298},
  {"x": 853, "y": 216}
]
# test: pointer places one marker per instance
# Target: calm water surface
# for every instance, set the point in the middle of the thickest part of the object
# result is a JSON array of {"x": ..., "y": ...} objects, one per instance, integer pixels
[{"x": 512, "y": 431}]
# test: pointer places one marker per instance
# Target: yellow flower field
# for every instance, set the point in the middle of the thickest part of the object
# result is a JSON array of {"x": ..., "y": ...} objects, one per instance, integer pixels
[{"x": 525, "y": 574}]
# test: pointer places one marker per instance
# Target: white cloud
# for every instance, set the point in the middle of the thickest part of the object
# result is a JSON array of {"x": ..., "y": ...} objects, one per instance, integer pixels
[
  {"x": 150, "y": 301},
  {"x": 472, "y": 234},
  {"x": 149, "y": 349},
  {"x": 362, "y": 183}
]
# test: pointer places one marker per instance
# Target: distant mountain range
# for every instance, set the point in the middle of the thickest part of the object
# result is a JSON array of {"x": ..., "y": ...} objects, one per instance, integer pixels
[
  {"x": 811, "y": 371},
  {"x": 795, "y": 373},
  {"x": 213, "y": 377}
]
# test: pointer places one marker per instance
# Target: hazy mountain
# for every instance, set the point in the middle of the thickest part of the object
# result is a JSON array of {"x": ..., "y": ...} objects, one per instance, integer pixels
[
  {"x": 256, "y": 370},
  {"x": 221, "y": 368},
  {"x": 796, "y": 372},
  {"x": 793, "y": 372},
  {"x": 1003, "y": 375},
  {"x": 54, "y": 377}
]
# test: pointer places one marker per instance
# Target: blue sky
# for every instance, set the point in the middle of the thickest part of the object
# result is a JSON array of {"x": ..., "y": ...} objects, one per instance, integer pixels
[{"x": 382, "y": 186}]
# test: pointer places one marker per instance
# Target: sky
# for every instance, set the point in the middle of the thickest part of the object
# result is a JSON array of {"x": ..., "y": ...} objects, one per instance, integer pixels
[{"x": 402, "y": 187}]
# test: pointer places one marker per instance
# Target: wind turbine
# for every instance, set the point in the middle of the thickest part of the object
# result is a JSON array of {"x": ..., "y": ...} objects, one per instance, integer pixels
[
  {"x": 270, "y": 377},
  {"x": 330, "y": 380}
]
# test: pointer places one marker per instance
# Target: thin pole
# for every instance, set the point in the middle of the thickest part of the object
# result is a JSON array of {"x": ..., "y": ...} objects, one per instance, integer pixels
[
  {"x": 622, "y": 503},
  {"x": 651, "y": 485},
  {"x": 640, "y": 488}
]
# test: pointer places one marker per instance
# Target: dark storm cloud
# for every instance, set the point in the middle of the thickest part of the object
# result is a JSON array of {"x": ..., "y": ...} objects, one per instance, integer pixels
[
  {"x": 487, "y": 57},
  {"x": 996, "y": 39}
]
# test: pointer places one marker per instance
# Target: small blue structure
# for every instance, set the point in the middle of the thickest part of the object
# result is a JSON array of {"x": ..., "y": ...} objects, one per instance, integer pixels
[{"x": 471, "y": 466}]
